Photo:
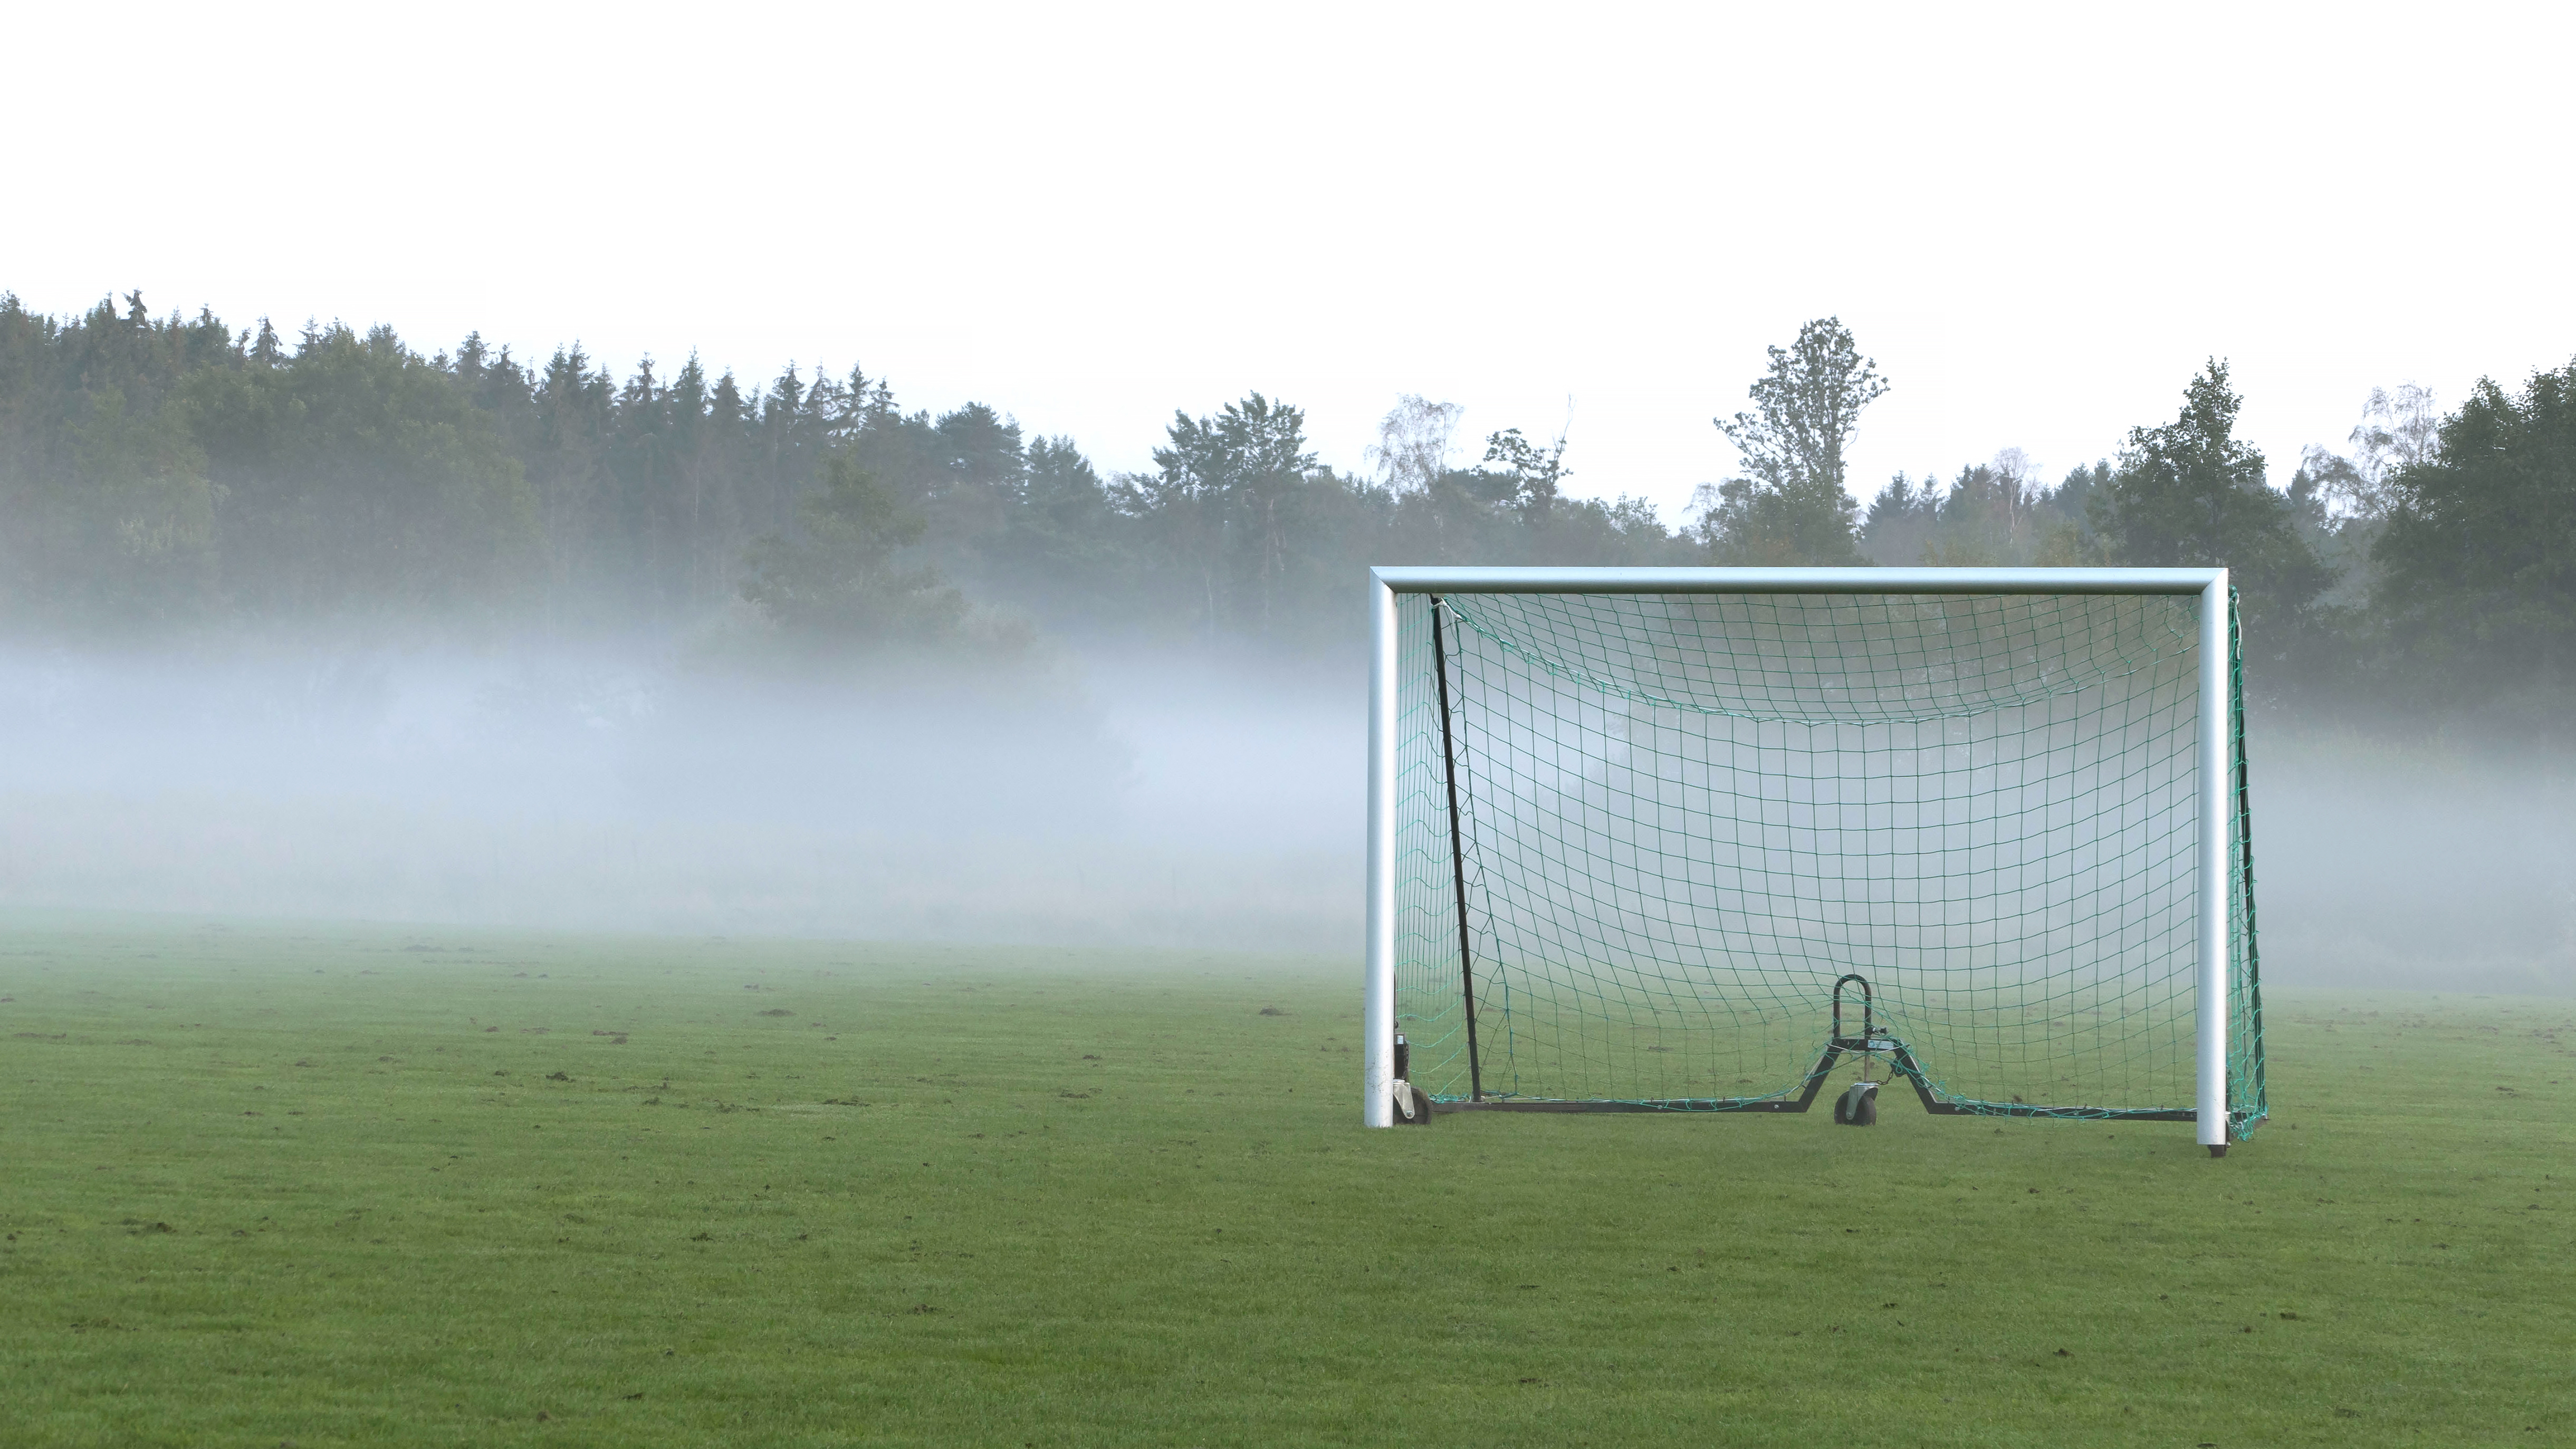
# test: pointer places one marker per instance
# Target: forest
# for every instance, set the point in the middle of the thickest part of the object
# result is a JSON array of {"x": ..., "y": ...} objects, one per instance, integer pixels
[{"x": 166, "y": 478}]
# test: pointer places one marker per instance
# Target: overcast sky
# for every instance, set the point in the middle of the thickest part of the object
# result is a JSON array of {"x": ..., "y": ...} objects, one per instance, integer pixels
[{"x": 2038, "y": 220}]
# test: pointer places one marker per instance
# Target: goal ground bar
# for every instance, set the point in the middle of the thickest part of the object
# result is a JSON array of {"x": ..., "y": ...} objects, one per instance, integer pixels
[{"x": 1791, "y": 1104}]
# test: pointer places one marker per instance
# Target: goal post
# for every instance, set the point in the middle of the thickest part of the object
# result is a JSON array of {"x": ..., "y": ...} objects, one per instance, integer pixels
[{"x": 1633, "y": 834}]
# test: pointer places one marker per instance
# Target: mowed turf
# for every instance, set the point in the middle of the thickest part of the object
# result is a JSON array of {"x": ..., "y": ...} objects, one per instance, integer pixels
[{"x": 325, "y": 1185}]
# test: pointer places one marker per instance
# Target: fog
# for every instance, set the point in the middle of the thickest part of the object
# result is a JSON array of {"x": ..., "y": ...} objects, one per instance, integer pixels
[
  {"x": 1105, "y": 796},
  {"x": 1114, "y": 800},
  {"x": 2431, "y": 867}
]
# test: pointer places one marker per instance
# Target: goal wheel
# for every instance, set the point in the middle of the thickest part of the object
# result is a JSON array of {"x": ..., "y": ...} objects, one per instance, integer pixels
[
  {"x": 1412, "y": 1105},
  {"x": 1857, "y": 1107}
]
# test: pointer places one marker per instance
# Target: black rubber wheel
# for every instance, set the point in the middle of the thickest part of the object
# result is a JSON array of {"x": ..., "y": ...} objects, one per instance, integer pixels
[{"x": 1857, "y": 1107}]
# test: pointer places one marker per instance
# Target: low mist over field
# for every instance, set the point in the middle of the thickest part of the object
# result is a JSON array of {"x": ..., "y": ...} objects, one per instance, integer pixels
[
  {"x": 1135, "y": 800},
  {"x": 2441, "y": 870},
  {"x": 1142, "y": 802}
]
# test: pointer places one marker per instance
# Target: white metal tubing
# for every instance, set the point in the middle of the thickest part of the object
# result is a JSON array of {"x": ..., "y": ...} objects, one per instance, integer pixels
[
  {"x": 2211, "y": 1000},
  {"x": 1433, "y": 580},
  {"x": 1377, "y": 1013}
]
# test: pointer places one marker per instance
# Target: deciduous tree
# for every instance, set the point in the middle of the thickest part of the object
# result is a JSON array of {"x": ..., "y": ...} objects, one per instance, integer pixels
[
  {"x": 2477, "y": 561},
  {"x": 2191, "y": 493},
  {"x": 1789, "y": 505}
]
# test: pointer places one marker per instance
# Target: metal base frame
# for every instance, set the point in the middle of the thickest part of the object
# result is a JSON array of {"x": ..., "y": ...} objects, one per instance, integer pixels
[{"x": 1898, "y": 1053}]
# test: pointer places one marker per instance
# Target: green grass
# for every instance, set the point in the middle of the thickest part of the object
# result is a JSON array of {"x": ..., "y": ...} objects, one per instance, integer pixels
[{"x": 343, "y": 1186}]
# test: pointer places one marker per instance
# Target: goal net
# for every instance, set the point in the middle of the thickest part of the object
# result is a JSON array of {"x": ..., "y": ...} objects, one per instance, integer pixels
[{"x": 1637, "y": 838}]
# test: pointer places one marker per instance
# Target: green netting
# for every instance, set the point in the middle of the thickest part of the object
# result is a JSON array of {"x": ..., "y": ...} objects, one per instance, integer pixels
[{"x": 1683, "y": 817}]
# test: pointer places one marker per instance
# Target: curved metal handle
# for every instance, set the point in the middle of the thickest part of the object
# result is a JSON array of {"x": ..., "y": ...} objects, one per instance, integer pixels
[{"x": 1868, "y": 1025}]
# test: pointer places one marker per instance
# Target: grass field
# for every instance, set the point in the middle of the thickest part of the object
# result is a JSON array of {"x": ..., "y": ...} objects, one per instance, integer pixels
[{"x": 327, "y": 1185}]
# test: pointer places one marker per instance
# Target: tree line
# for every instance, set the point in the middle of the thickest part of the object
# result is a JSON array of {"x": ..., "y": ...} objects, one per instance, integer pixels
[
  {"x": 166, "y": 475},
  {"x": 169, "y": 473}
]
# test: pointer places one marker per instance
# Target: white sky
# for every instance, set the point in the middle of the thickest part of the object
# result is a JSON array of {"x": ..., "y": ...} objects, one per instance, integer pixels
[{"x": 2039, "y": 220}]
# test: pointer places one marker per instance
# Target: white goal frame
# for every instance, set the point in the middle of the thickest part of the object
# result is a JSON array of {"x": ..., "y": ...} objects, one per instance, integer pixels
[{"x": 1377, "y": 1100}]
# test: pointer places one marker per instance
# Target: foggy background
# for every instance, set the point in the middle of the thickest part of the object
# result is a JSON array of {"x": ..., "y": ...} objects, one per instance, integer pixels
[
  {"x": 1166, "y": 800},
  {"x": 1160, "y": 801}
]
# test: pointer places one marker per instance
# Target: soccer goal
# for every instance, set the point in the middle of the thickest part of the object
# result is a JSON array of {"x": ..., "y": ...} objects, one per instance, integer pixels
[{"x": 1681, "y": 840}]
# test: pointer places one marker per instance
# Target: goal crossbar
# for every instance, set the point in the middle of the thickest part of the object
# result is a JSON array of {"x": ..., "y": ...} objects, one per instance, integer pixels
[{"x": 2212, "y": 759}]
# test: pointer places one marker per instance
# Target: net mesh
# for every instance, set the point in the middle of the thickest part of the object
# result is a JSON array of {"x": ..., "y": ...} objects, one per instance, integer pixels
[{"x": 1680, "y": 818}]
